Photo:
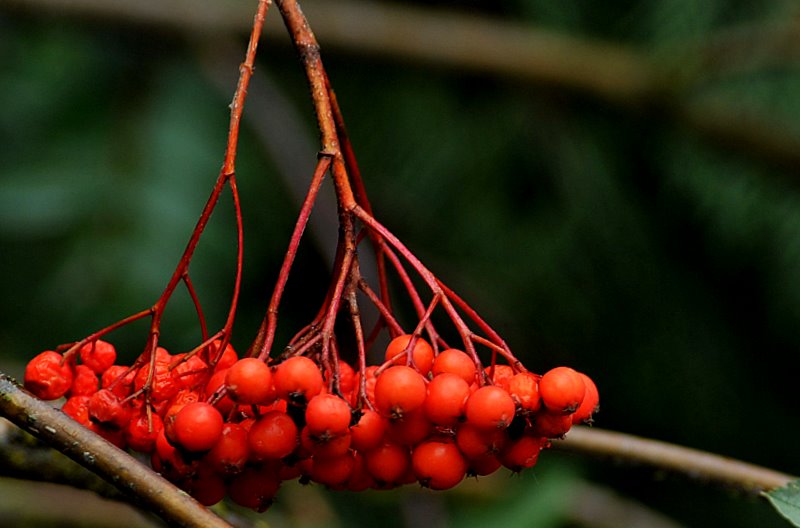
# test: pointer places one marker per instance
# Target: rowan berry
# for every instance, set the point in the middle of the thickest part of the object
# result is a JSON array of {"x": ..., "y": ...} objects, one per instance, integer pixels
[
  {"x": 590, "y": 403},
  {"x": 206, "y": 487},
  {"x": 163, "y": 384},
  {"x": 255, "y": 487},
  {"x": 475, "y": 442},
  {"x": 84, "y": 382},
  {"x": 98, "y": 355},
  {"x": 438, "y": 465},
  {"x": 229, "y": 455},
  {"x": 562, "y": 390},
  {"x": 297, "y": 380},
  {"x": 410, "y": 429},
  {"x": 118, "y": 379},
  {"x": 524, "y": 390},
  {"x": 221, "y": 360},
  {"x": 142, "y": 430},
  {"x": 399, "y": 390},
  {"x": 369, "y": 431},
  {"x": 327, "y": 416},
  {"x": 106, "y": 408},
  {"x": 47, "y": 376},
  {"x": 332, "y": 471},
  {"x": 522, "y": 453},
  {"x": 499, "y": 374},
  {"x": 77, "y": 408},
  {"x": 249, "y": 381},
  {"x": 198, "y": 426},
  {"x": 446, "y": 399},
  {"x": 551, "y": 425},
  {"x": 490, "y": 407},
  {"x": 421, "y": 355},
  {"x": 456, "y": 362},
  {"x": 324, "y": 446},
  {"x": 387, "y": 463},
  {"x": 190, "y": 373},
  {"x": 273, "y": 436}
]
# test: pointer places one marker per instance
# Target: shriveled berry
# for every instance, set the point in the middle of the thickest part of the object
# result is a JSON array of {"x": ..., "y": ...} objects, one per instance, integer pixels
[{"x": 46, "y": 377}]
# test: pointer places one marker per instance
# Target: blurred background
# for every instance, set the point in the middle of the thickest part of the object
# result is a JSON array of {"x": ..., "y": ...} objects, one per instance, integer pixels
[{"x": 613, "y": 186}]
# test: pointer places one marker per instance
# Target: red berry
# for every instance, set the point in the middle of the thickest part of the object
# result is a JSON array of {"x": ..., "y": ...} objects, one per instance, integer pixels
[
  {"x": 198, "y": 426},
  {"x": 411, "y": 429},
  {"x": 118, "y": 379},
  {"x": 438, "y": 465},
  {"x": 456, "y": 362},
  {"x": 387, "y": 463},
  {"x": 273, "y": 436},
  {"x": 163, "y": 384},
  {"x": 551, "y": 425},
  {"x": 255, "y": 487},
  {"x": 84, "y": 382},
  {"x": 524, "y": 390},
  {"x": 249, "y": 381},
  {"x": 490, "y": 407},
  {"x": 327, "y": 415},
  {"x": 324, "y": 446},
  {"x": 297, "y": 380},
  {"x": 368, "y": 432},
  {"x": 77, "y": 408},
  {"x": 333, "y": 471},
  {"x": 46, "y": 377},
  {"x": 399, "y": 390},
  {"x": 229, "y": 455},
  {"x": 476, "y": 443},
  {"x": 590, "y": 403},
  {"x": 191, "y": 372},
  {"x": 447, "y": 399},
  {"x": 141, "y": 432},
  {"x": 224, "y": 360},
  {"x": 422, "y": 353},
  {"x": 106, "y": 408},
  {"x": 562, "y": 390},
  {"x": 522, "y": 453},
  {"x": 98, "y": 355}
]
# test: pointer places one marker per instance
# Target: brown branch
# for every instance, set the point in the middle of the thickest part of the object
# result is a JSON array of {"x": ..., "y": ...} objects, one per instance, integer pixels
[
  {"x": 609, "y": 72},
  {"x": 133, "y": 479},
  {"x": 687, "y": 461}
]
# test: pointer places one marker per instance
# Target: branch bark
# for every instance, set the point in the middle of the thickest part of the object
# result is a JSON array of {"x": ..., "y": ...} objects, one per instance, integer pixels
[
  {"x": 691, "y": 462},
  {"x": 136, "y": 481}
]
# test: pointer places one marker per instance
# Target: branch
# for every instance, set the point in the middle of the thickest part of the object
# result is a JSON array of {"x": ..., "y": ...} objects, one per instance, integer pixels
[
  {"x": 691, "y": 462},
  {"x": 611, "y": 73},
  {"x": 134, "y": 480}
]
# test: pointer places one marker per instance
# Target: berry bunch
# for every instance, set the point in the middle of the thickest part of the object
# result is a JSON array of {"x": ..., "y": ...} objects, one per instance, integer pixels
[{"x": 219, "y": 425}]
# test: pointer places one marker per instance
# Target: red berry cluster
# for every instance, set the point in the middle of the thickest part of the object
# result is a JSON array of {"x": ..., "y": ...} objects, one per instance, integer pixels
[{"x": 218, "y": 425}]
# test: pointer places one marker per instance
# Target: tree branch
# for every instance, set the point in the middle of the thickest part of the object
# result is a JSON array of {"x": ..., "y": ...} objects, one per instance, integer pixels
[
  {"x": 612, "y": 73},
  {"x": 691, "y": 462},
  {"x": 133, "y": 479}
]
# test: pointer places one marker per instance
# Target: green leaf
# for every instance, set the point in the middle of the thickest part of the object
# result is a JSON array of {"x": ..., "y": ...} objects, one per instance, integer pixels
[{"x": 787, "y": 501}]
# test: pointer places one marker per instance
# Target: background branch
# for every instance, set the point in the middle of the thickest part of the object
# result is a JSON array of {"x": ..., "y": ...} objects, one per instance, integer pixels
[
  {"x": 612, "y": 73},
  {"x": 690, "y": 462}
]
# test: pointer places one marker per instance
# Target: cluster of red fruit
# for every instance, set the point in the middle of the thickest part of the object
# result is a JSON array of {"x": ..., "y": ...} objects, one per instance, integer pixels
[{"x": 241, "y": 427}]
